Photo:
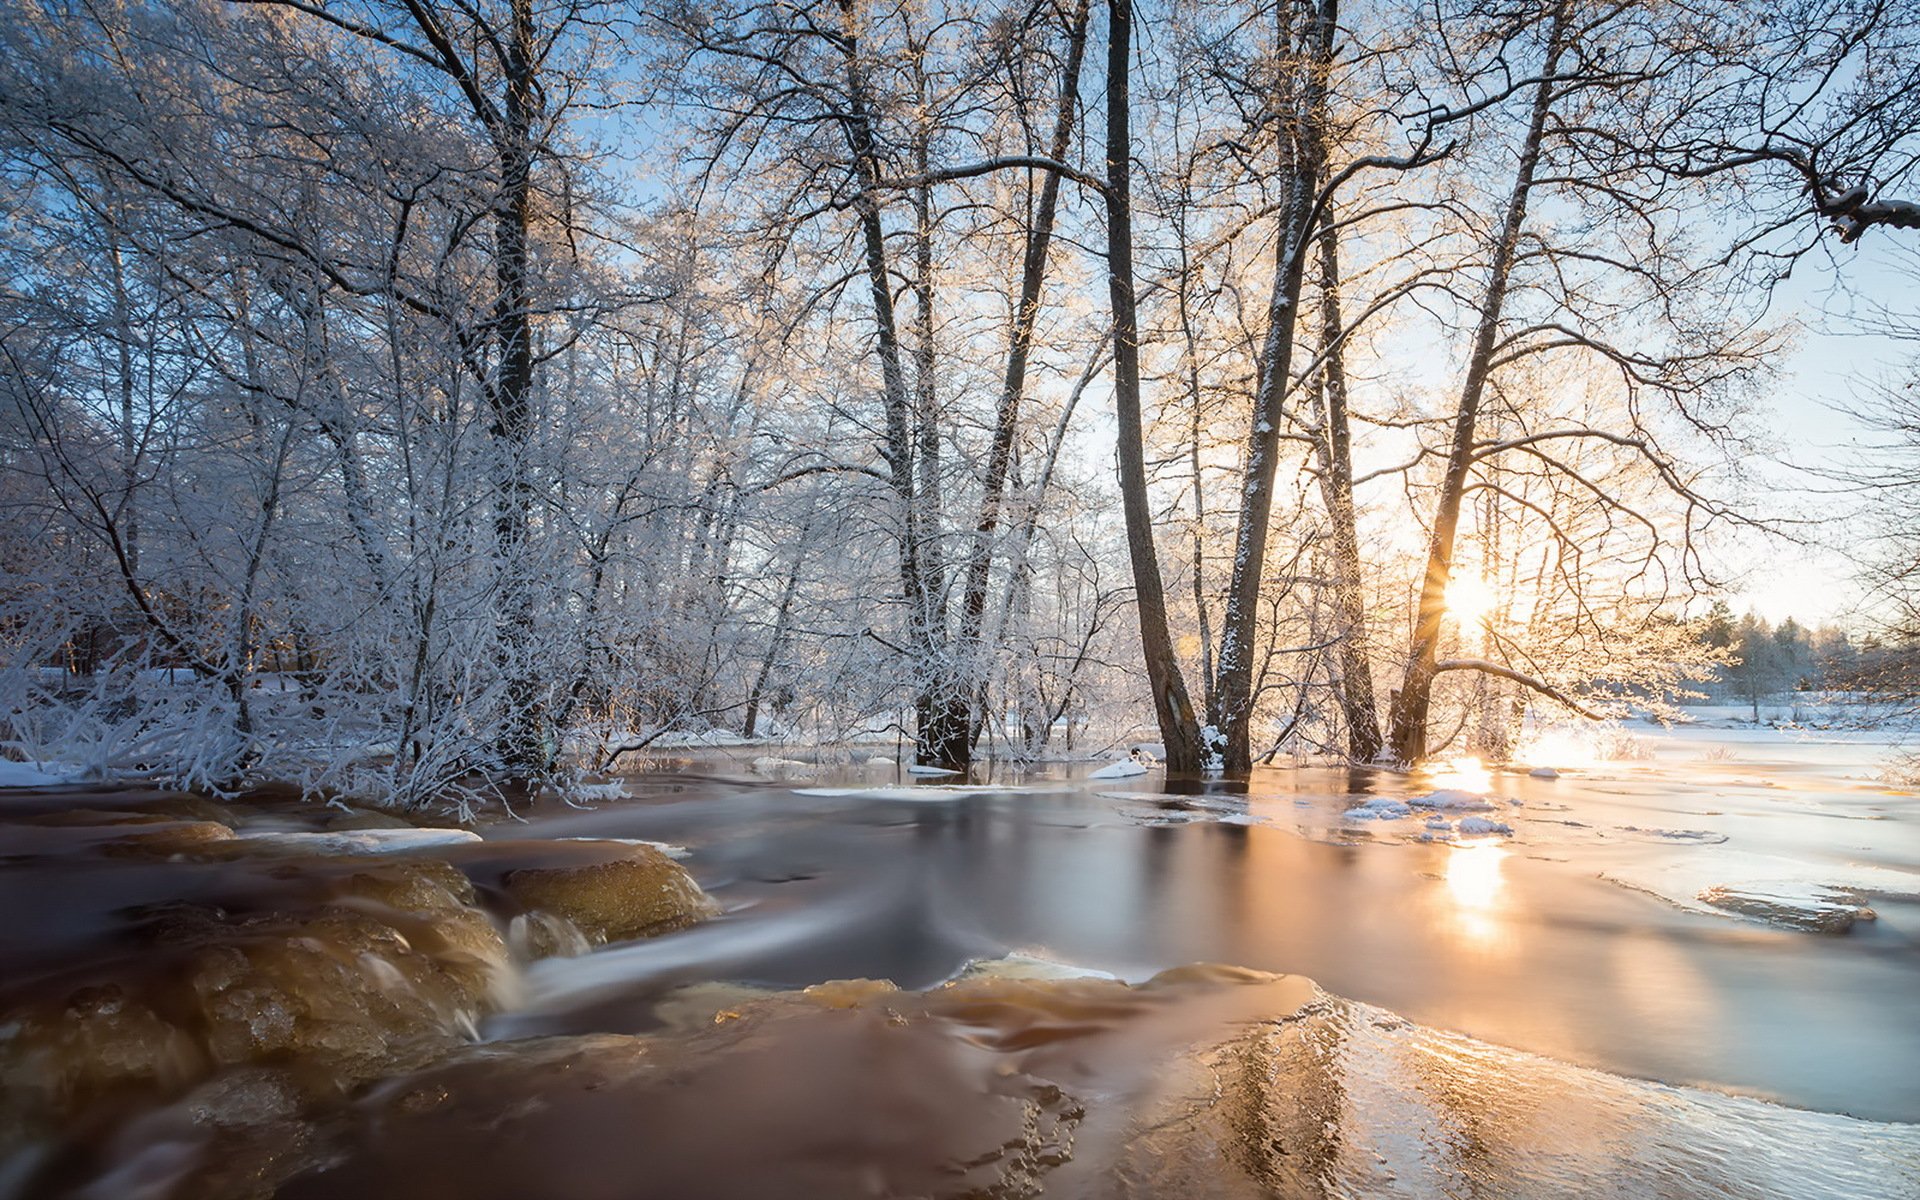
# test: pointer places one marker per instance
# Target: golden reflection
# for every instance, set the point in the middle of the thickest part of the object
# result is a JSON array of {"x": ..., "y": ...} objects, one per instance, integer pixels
[
  {"x": 1464, "y": 774},
  {"x": 1474, "y": 883},
  {"x": 1559, "y": 748}
]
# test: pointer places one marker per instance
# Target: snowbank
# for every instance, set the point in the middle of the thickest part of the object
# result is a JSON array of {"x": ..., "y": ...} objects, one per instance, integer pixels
[{"x": 28, "y": 775}]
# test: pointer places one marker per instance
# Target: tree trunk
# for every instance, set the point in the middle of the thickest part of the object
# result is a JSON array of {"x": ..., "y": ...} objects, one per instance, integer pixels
[
  {"x": 522, "y": 744},
  {"x": 1408, "y": 736},
  {"x": 1171, "y": 706},
  {"x": 1305, "y": 161},
  {"x": 1033, "y": 271},
  {"x": 1334, "y": 446},
  {"x": 926, "y": 630}
]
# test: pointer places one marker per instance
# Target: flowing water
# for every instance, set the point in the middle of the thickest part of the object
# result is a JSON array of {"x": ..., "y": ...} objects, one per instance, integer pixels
[{"x": 1690, "y": 974}]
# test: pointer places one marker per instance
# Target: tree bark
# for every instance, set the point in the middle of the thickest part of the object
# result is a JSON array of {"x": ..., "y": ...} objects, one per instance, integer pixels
[
  {"x": 1171, "y": 705},
  {"x": 522, "y": 745},
  {"x": 1408, "y": 735},
  {"x": 1334, "y": 447},
  {"x": 1033, "y": 271},
  {"x": 1305, "y": 162},
  {"x": 926, "y": 628}
]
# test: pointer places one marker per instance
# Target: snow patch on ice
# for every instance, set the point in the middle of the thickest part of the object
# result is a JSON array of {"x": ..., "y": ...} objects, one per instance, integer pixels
[
  {"x": 359, "y": 841},
  {"x": 1452, "y": 800},
  {"x": 666, "y": 848},
  {"x": 1380, "y": 808},
  {"x": 917, "y": 769},
  {"x": 781, "y": 768},
  {"x": 1126, "y": 768},
  {"x": 28, "y": 775},
  {"x": 1482, "y": 827},
  {"x": 952, "y": 791},
  {"x": 1019, "y": 965},
  {"x": 1698, "y": 837}
]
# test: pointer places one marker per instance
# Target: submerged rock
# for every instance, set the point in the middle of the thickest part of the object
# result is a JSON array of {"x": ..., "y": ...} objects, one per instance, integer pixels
[
  {"x": 337, "y": 975},
  {"x": 1826, "y": 910},
  {"x": 641, "y": 893},
  {"x": 1204, "y": 1083}
]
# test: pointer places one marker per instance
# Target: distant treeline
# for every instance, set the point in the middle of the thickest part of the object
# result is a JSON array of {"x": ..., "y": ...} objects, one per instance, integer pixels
[{"x": 1766, "y": 660}]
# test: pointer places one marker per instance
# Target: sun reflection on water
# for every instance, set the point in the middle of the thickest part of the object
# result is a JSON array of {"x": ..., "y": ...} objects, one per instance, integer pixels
[
  {"x": 1466, "y": 774},
  {"x": 1474, "y": 883}
]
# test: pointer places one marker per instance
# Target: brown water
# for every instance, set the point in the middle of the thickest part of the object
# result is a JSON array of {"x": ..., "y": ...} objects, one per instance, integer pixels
[{"x": 1486, "y": 1016}]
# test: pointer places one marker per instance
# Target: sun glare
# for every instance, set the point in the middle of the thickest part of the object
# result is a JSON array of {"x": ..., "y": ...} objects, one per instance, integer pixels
[
  {"x": 1469, "y": 599},
  {"x": 1466, "y": 773}
]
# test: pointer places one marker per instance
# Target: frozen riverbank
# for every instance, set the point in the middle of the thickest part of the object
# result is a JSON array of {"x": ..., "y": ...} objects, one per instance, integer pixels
[{"x": 1593, "y": 993}]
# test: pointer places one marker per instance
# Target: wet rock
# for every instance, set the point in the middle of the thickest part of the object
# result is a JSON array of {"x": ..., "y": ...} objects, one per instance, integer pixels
[
  {"x": 120, "y": 834},
  {"x": 393, "y": 965},
  {"x": 1204, "y": 1083},
  {"x": 641, "y": 893}
]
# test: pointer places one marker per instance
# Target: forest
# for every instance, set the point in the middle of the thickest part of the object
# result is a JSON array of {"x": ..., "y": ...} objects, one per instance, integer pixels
[{"x": 406, "y": 399}]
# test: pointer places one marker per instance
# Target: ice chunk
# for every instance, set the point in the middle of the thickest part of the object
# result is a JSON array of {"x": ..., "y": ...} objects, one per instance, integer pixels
[
  {"x": 781, "y": 768},
  {"x": 1380, "y": 808},
  {"x": 1453, "y": 800},
  {"x": 1482, "y": 826},
  {"x": 1544, "y": 773},
  {"x": 917, "y": 769},
  {"x": 666, "y": 848},
  {"x": 359, "y": 841},
  {"x": 1126, "y": 768}
]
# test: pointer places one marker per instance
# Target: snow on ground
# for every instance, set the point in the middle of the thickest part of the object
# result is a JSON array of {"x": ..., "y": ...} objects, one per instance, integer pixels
[{"x": 32, "y": 775}]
